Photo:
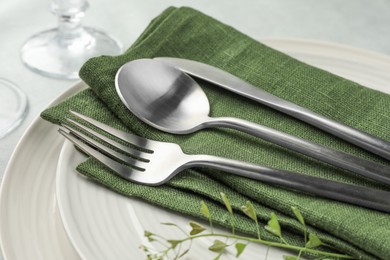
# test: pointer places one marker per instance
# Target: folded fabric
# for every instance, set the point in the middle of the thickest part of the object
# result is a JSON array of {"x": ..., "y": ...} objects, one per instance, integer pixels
[{"x": 187, "y": 33}]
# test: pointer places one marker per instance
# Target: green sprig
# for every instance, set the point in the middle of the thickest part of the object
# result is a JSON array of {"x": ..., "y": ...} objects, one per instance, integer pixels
[{"x": 174, "y": 246}]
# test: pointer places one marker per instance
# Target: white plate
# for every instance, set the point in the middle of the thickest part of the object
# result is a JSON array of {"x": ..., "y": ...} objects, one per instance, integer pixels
[
  {"x": 104, "y": 225},
  {"x": 30, "y": 225}
]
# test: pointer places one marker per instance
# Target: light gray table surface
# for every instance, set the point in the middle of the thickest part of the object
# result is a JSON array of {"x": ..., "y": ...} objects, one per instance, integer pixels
[{"x": 358, "y": 23}]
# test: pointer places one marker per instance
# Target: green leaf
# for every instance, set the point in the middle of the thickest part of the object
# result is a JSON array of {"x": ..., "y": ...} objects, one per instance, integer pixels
[
  {"x": 204, "y": 209},
  {"x": 196, "y": 228},
  {"x": 240, "y": 248},
  {"x": 226, "y": 201},
  {"x": 168, "y": 224},
  {"x": 149, "y": 236},
  {"x": 151, "y": 239},
  {"x": 288, "y": 257},
  {"x": 174, "y": 243},
  {"x": 148, "y": 233},
  {"x": 298, "y": 215},
  {"x": 274, "y": 226},
  {"x": 218, "y": 246},
  {"x": 314, "y": 241},
  {"x": 249, "y": 210}
]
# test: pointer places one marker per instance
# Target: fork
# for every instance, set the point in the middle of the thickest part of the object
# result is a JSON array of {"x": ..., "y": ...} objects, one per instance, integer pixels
[{"x": 154, "y": 163}]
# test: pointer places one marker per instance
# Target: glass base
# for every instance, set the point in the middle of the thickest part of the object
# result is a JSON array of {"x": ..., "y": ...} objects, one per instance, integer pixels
[
  {"x": 13, "y": 107},
  {"x": 52, "y": 55}
]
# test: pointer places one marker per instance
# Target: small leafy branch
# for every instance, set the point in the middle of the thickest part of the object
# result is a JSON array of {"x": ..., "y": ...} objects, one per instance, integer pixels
[{"x": 172, "y": 248}]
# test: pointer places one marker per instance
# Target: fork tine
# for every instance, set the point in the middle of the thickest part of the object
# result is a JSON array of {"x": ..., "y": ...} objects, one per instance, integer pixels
[
  {"x": 138, "y": 141},
  {"x": 121, "y": 170},
  {"x": 138, "y": 164},
  {"x": 133, "y": 152}
]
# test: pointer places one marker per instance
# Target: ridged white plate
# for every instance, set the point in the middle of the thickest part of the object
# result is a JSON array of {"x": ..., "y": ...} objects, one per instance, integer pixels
[
  {"x": 104, "y": 225},
  {"x": 30, "y": 223}
]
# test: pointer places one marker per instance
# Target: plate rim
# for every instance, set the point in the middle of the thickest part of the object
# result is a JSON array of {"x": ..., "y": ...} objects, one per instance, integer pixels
[{"x": 74, "y": 88}]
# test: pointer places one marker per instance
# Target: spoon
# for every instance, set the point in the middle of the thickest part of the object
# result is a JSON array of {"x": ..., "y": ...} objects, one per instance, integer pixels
[{"x": 171, "y": 101}]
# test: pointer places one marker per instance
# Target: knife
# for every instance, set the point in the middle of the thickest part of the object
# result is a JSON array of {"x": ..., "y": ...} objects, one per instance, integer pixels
[{"x": 232, "y": 83}]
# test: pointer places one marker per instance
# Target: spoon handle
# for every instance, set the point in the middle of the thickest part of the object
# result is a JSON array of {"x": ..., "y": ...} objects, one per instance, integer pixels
[
  {"x": 369, "y": 169},
  {"x": 234, "y": 84},
  {"x": 357, "y": 195}
]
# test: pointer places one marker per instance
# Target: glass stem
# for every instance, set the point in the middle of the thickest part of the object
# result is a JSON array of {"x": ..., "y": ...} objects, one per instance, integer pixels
[
  {"x": 69, "y": 13},
  {"x": 69, "y": 27}
]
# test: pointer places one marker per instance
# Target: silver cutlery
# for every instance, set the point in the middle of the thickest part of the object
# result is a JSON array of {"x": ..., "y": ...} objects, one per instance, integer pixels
[
  {"x": 168, "y": 99},
  {"x": 232, "y": 83},
  {"x": 154, "y": 163}
]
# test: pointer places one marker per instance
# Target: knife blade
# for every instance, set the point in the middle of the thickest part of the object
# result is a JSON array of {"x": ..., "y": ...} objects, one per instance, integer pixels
[{"x": 234, "y": 84}]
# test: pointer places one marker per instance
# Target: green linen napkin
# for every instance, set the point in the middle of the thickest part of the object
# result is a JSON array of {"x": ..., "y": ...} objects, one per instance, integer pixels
[{"x": 187, "y": 33}]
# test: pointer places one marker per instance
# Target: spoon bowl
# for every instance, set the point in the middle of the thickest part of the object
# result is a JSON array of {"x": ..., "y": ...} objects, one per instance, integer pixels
[{"x": 162, "y": 96}]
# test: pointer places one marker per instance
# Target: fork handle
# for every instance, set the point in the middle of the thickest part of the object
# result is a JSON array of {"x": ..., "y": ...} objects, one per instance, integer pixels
[
  {"x": 369, "y": 169},
  {"x": 357, "y": 195}
]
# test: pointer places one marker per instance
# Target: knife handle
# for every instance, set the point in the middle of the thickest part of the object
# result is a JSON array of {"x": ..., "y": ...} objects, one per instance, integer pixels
[
  {"x": 352, "y": 135},
  {"x": 369, "y": 169}
]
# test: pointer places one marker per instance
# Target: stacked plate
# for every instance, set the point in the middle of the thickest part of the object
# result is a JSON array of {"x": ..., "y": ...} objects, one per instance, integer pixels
[{"x": 48, "y": 211}]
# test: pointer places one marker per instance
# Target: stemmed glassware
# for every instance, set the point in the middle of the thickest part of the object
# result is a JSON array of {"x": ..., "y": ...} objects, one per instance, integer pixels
[
  {"x": 57, "y": 53},
  {"x": 13, "y": 106},
  {"x": 60, "y": 52}
]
